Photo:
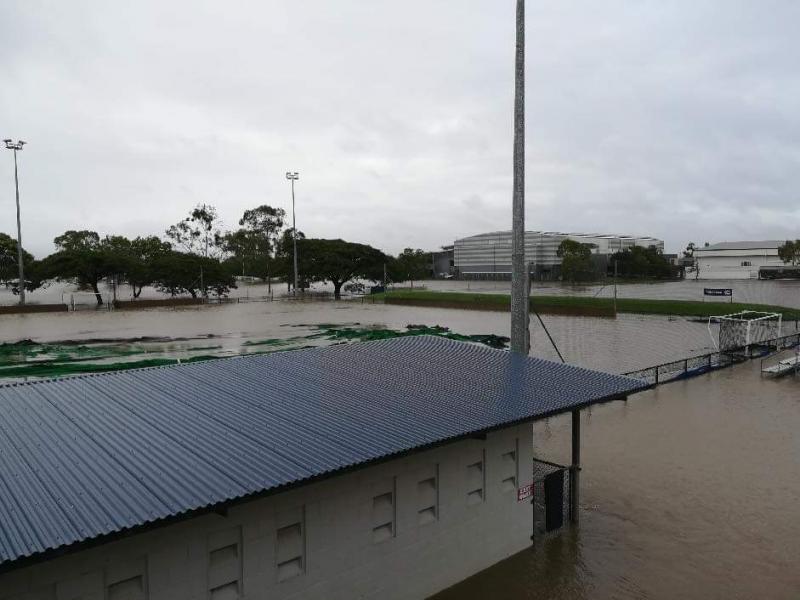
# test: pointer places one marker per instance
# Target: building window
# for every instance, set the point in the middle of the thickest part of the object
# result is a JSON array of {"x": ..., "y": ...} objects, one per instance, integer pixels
[
  {"x": 747, "y": 263},
  {"x": 428, "y": 498},
  {"x": 225, "y": 564},
  {"x": 131, "y": 588},
  {"x": 125, "y": 580},
  {"x": 509, "y": 465},
  {"x": 290, "y": 546},
  {"x": 476, "y": 481},
  {"x": 384, "y": 514}
]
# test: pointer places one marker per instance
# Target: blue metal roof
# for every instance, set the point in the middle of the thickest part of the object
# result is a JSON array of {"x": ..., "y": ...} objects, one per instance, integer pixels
[{"x": 89, "y": 456}]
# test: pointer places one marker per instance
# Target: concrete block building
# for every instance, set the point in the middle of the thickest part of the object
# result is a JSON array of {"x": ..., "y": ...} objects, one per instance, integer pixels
[
  {"x": 738, "y": 260},
  {"x": 355, "y": 471}
]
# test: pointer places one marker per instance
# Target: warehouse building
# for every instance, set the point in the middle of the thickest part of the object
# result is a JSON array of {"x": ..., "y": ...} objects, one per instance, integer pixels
[
  {"x": 488, "y": 255},
  {"x": 739, "y": 260},
  {"x": 387, "y": 469}
]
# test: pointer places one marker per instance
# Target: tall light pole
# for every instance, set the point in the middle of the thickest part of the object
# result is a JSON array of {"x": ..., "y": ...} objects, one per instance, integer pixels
[
  {"x": 520, "y": 335},
  {"x": 16, "y": 146},
  {"x": 294, "y": 176}
]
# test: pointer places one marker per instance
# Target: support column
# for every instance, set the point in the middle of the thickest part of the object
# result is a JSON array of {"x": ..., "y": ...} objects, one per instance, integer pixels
[{"x": 575, "y": 468}]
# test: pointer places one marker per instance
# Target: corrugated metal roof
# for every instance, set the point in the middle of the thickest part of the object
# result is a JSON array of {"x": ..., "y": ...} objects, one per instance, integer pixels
[
  {"x": 757, "y": 245},
  {"x": 83, "y": 457}
]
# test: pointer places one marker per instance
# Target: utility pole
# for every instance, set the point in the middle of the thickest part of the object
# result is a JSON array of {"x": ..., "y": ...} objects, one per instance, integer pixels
[
  {"x": 294, "y": 176},
  {"x": 520, "y": 300},
  {"x": 16, "y": 146}
]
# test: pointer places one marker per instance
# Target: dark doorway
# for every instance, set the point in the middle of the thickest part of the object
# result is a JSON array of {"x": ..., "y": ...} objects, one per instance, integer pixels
[{"x": 554, "y": 500}]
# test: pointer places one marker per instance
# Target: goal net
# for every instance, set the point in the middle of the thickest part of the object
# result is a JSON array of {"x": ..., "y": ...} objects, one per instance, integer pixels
[{"x": 744, "y": 329}]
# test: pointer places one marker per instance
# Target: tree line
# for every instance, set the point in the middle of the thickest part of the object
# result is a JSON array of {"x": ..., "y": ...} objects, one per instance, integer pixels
[
  {"x": 636, "y": 262},
  {"x": 198, "y": 258}
]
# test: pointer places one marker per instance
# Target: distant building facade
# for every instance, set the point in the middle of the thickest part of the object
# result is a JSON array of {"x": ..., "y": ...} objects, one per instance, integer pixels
[
  {"x": 488, "y": 255},
  {"x": 738, "y": 260},
  {"x": 443, "y": 261}
]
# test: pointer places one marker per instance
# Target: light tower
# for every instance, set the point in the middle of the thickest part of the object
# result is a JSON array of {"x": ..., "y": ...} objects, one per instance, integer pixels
[
  {"x": 17, "y": 146},
  {"x": 294, "y": 176}
]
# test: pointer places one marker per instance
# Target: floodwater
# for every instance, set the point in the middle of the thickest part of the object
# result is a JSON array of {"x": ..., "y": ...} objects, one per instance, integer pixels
[
  {"x": 691, "y": 490},
  {"x": 777, "y": 292},
  {"x": 623, "y": 344}
]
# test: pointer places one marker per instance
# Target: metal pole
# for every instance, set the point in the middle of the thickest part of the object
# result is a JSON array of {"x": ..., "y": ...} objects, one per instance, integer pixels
[
  {"x": 19, "y": 238},
  {"x": 520, "y": 335},
  {"x": 294, "y": 238},
  {"x": 575, "y": 468},
  {"x": 615, "y": 287}
]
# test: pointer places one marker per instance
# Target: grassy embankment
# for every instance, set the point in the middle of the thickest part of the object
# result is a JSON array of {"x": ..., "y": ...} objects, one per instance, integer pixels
[{"x": 580, "y": 305}]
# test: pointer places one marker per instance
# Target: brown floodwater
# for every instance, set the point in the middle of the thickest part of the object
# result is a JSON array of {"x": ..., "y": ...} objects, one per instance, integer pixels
[
  {"x": 623, "y": 344},
  {"x": 691, "y": 490}
]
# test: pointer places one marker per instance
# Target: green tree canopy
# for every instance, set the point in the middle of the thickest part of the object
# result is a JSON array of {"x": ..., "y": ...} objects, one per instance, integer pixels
[
  {"x": 199, "y": 233},
  {"x": 789, "y": 252},
  {"x": 9, "y": 267},
  {"x": 410, "y": 264},
  {"x": 252, "y": 246},
  {"x": 642, "y": 263},
  {"x": 79, "y": 256},
  {"x": 180, "y": 272},
  {"x": 339, "y": 261},
  {"x": 576, "y": 261}
]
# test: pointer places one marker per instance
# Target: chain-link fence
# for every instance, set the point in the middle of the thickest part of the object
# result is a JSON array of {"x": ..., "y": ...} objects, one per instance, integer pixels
[{"x": 697, "y": 365}]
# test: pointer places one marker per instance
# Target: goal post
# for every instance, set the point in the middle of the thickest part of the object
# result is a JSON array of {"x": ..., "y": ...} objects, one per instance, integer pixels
[{"x": 740, "y": 331}]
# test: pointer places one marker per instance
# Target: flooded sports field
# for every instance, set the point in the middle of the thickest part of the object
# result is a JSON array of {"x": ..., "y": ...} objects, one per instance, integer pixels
[
  {"x": 71, "y": 342},
  {"x": 691, "y": 490}
]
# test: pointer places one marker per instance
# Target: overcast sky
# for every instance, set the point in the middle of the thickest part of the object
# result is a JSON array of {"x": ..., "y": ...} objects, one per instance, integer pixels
[{"x": 678, "y": 119}]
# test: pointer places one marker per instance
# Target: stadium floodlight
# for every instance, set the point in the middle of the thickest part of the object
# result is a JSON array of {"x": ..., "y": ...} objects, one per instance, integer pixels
[
  {"x": 294, "y": 176},
  {"x": 17, "y": 146}
]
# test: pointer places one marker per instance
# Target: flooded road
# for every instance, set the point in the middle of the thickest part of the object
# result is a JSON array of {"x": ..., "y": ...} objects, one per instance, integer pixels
[{"x": 691, "y": 490}]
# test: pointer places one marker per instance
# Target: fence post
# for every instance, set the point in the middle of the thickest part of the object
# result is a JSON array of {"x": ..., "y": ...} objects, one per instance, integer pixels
[
  {"x": 685, "y": 366},
  {"x": 656, "y": 378}
]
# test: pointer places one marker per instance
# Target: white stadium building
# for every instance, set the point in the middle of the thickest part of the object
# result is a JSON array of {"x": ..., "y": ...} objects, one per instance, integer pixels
[{"x": 488, "y": 255}]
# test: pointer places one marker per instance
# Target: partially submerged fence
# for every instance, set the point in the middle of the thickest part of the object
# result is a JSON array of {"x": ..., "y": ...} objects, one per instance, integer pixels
[{"x": 698, "y": 365}]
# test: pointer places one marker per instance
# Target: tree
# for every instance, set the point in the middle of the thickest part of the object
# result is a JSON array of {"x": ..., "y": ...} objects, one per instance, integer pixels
[
  {"x": 339, "y": 261},
  {"x": 411, "y": 264},
  {"x": 199, "y": 233},
  {"x": 133, "y": 260},
  {"x": 640, "y": 262},
  {"x": 9, "y": 265},
  {"x": 284, "y": 255},
  {"x": 576, "y": 261},
  {"x": 79, "y": 256},
  {"x": 180, "y": 272},
  {"x": 252, "y": 246},
  {"x": 789, "y": 252}
]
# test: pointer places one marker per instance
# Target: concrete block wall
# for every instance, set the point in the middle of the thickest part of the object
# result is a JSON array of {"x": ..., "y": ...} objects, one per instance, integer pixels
[{"x": 319, "y": 540}]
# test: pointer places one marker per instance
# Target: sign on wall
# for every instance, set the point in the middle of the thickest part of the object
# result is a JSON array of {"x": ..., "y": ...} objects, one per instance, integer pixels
[{"x": 525, "y": 492}]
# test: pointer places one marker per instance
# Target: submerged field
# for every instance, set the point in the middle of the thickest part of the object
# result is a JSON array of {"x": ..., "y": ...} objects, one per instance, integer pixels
[
  {"x": 581, "y": 305},
  {"x": 27, "y": 358}
]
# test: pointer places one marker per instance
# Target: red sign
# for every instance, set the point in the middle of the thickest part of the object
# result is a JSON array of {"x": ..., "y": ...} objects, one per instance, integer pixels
[{"x": 525, "y": 492}]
